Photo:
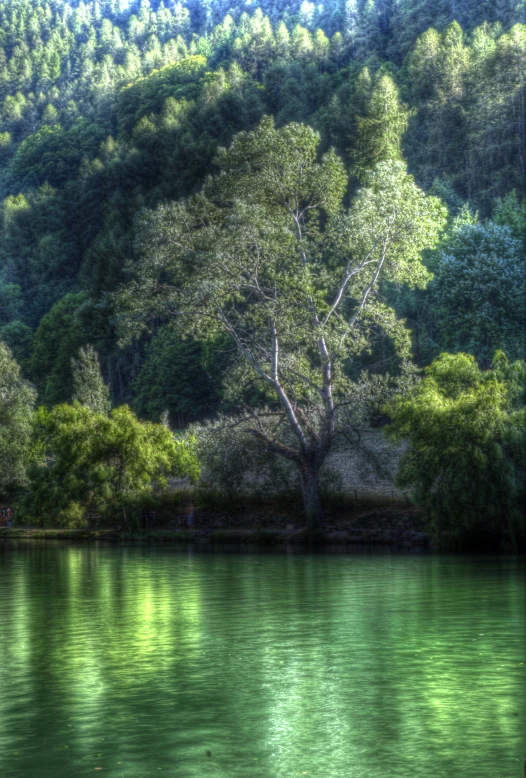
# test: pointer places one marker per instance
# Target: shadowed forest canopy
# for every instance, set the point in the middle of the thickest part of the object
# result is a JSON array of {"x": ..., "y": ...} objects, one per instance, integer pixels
[{"x": 110, "y": 108}]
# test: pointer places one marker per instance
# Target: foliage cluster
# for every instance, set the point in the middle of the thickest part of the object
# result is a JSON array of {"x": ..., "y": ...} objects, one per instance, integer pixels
[
  {"x": 467, "y": 433},
  {"x": 82, "y": 462},
  {"x": 99, "y": 467},
  {"x": 17, "y": 398}
]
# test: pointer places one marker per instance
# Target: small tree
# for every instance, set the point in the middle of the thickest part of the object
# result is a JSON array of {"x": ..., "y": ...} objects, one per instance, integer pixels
[
  {"x": 94, "y": 465},
  {"x": 467, "y": 433},
  {"x": 89, "y": 388},
  {"x": 267, "y": 253},
  {"x": 17, "y": 400}
]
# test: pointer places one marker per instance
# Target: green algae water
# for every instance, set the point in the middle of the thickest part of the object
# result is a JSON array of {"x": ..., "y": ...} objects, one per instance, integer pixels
[{"x": 144, "y": 662}]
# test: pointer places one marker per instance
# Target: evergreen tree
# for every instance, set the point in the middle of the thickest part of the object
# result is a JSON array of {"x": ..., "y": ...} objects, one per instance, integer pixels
[
  {"x": 73, "y": 75},
  {"x": 89, "y": 388},
  {"x": 380, "y": 130}
]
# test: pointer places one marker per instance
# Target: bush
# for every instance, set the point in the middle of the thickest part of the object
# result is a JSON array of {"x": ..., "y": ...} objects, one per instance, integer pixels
[
  {"x": 93, "y": 466},
  {"x": 466, "y": 429}
]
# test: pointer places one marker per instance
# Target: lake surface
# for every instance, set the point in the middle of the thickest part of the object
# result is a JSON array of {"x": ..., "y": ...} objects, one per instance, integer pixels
[{"x": 140, "y": 662}]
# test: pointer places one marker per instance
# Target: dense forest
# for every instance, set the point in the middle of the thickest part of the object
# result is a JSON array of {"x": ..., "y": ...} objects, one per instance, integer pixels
[{"x": 112, "y": 110}]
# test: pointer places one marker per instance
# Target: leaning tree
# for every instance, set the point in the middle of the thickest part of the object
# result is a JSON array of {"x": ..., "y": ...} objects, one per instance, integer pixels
[{"x": 268, "y": 253}]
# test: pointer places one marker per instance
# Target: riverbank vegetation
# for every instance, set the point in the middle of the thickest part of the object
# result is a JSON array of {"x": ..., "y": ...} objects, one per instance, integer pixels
[
  {"x": 466, "y": 459},
  {"x": 279, "y": 225}
]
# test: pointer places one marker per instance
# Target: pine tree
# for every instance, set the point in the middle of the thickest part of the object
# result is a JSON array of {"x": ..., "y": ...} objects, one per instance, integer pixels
[
  {"x": 321, "y": 49},
  {"x": 282, "y": 38},
  {"x": 379, "y": 132},
  {"x": 89, "y": 388},
  {"x": 367, "y": 38}
]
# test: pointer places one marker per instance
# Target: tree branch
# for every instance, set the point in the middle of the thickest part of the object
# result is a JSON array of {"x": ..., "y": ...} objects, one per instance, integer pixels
[
  {"x": 276, "y": 447},
  {"x": 348, "y": 275}
]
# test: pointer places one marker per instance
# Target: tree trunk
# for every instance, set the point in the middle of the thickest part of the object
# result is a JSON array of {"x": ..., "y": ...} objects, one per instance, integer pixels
[{"x": 309, "y": 480}]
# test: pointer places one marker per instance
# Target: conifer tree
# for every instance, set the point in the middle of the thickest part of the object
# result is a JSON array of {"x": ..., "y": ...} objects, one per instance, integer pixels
[
  {"x": 379, "y": 132},
  {"x": 89, "y": 388}
]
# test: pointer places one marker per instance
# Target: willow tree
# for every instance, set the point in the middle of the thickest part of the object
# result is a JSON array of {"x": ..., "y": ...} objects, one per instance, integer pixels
[{"x": 267, "y": 253}]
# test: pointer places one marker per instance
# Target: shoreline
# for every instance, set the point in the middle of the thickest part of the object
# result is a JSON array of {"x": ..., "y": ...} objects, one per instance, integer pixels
[
  {"x": 259, "y": 537},
  {"x": 251, "y": 540},
  {"x": 263, "y": 525}
]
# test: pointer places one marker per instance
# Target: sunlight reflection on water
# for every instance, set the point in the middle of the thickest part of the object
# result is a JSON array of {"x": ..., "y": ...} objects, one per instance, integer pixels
[{"x": 148, "y": 661}]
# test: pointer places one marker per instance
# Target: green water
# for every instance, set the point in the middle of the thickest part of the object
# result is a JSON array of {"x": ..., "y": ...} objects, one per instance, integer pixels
[{"x": 139, "y": 661}]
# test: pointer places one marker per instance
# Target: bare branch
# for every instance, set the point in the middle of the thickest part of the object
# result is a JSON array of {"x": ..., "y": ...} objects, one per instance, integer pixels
[
  {"x": 276, "y": 447},
  {"x": 348, "y": 275},
  {"x": 284, "y": 399},
  {"x": 239, "y": 343},
  {"x": 374, "y": 279}
]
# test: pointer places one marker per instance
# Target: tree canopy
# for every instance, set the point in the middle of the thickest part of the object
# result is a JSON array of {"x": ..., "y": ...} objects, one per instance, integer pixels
[
  {"x": 108, "y": 109},
  {"x": 127, "y": 125},
  {"x": 267, "y": 253},
  {"x": 479, "y": 291}
]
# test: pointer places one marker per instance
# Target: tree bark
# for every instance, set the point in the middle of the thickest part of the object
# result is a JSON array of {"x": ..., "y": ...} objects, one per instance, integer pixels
[{"x": 309, "y": 481}]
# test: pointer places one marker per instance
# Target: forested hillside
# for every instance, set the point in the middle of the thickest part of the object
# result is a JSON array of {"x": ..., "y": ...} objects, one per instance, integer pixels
[{"x": 110, "y": 108}]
